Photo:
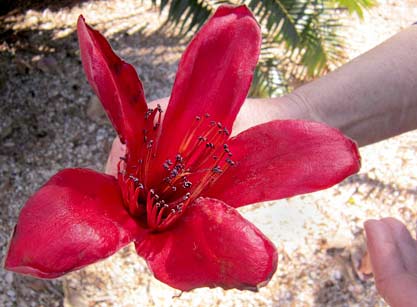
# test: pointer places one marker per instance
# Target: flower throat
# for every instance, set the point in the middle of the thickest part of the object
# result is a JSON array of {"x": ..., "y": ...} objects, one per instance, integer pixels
[{"x": 202, "y": 158}]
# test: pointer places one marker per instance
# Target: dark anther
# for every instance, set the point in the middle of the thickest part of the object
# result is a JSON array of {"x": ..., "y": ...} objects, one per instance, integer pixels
[
  {"x": 187, "y": 184},
  {"x": 226, "y": 131},
  {"x": 230, "y": 162},
  {"x": 149, "y": 145},
  {"x": 212, "y": 123},
  {"x": 158, "y": 106},
  {"x": 219, "y": 124},
  {"x": 173, "y": 189},
  {"x": 215, "y": 157},
  {"x": 173, "y": 211},
  {"x": 140, "y": 161},
  {"x": 202, "y": 138},
  {"x": 225, "y": 146},
  {"x": 166, "y": 166},
  {"x": 158, "y": 204},
  {"x": 148, "y": 113},
  {"x": 210, "y": 145},
  {"x": 173, "y": 173},
  {"x": 178, "y": 158},
  {"x": 123, "y": 158},
  {"x": 135, "y": 180},
  {"x": 197, "y": 118},
  {"x": 217, "y": 170},
  {"x": 207, "y": 115},
  {"x": 169, "y": 162},
  {"x": 140, "y": 186}
]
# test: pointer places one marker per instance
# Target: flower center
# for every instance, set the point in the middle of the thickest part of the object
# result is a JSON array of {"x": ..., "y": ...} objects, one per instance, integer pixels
[{"x": 202, "y": 158}]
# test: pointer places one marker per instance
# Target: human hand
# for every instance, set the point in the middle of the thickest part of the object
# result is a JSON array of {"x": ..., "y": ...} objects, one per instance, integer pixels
[{"x": 393, "y": 254}]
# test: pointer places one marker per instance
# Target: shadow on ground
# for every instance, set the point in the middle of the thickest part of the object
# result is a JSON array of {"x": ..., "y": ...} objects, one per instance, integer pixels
[
  {"x": 19, "y": 6},
  {"x": 45, "y": 123}
]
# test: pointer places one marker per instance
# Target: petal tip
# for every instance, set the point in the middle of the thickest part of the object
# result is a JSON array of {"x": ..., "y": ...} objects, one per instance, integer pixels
[
  {"x": 81, "y": 23},
  {"x": 231, "y": 9},
  {"x": 240, "y": 11}
]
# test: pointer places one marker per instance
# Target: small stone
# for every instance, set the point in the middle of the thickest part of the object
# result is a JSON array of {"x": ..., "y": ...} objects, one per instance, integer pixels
[
  {"x": 23, "y": 67},
  {"x": 9, "y": 278},
  {"x": 336, "y": 275},
  {"x": 48, "y": 65},
  {"x": 37, "y": 285}
]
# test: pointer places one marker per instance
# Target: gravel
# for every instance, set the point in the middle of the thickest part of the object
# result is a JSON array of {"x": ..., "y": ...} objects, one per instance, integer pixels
[{"x": 51, "y": 120}]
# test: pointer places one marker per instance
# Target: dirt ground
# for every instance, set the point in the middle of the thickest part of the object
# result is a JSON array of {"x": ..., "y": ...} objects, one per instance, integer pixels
[{"x": 51, "y": 120}]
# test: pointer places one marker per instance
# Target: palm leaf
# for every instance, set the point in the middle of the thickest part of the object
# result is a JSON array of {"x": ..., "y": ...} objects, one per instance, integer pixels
[{"x": 300, "y": 37}]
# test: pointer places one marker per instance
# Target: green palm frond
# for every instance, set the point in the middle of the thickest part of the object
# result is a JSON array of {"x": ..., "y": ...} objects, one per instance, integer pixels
[
  {"x": 279, "y": 18},
  {"x": 300, "y": 37},
  {"x": 188, "y": 14},
  {"x": 357, "y": 6}
]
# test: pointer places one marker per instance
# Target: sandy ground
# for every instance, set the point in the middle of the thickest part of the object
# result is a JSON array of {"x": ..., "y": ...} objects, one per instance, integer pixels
[{"x": 51, "y": 120}]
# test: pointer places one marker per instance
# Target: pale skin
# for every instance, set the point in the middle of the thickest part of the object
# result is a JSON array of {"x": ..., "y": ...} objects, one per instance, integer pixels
[{"x": 371, "y": 98}]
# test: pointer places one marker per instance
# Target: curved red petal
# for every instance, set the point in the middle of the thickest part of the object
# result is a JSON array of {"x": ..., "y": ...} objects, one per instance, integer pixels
[
  {"x": 114, "y": 81},
  {"x": 284, "y": 158},
  {"x": 212, "y": 245},
  {"x": 214, "y": 76},
  {"x": 75, "y": 219}
]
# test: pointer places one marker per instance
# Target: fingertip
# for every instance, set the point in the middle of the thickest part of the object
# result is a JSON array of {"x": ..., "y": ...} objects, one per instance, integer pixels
[{"x": 371, "y": 225}]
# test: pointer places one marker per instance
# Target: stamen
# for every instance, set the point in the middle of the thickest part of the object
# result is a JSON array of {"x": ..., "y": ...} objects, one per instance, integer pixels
[{"x": 202, "y": 158}]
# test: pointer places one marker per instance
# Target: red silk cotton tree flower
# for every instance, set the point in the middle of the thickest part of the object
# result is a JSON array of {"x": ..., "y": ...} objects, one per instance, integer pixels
[{"x": 181, "y": 179}]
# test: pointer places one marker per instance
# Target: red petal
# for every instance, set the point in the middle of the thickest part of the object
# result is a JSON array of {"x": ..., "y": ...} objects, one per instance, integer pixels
[
  {"x": 284, "y": 158},
  {"x": 212, "y": 245},
  {"x": 75, "y": 219},
  {"x": 114, "y": 81},
  {"x": 214, "y": 75}
]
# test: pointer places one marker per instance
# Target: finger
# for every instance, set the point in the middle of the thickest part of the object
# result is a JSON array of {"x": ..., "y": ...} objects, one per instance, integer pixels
[
  {"x": 385, "y": 255},
  {"x": 406, "y": 244},
  {"x": 117, "y": 150}
]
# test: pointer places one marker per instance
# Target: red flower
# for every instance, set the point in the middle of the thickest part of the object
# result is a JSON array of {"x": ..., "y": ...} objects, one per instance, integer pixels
[{"x": 181, "y": 179}]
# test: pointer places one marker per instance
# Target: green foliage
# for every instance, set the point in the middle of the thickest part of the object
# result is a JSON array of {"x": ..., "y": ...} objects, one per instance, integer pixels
[
  {"x": 300, "y": 39},
  {"x": 355, "y": 6}
]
